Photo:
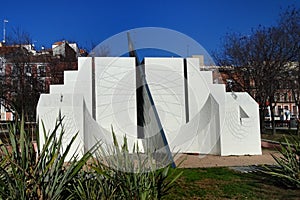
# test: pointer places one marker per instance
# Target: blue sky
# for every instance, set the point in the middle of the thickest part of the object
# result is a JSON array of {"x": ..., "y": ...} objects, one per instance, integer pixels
[{"x": 93, "y": 21}]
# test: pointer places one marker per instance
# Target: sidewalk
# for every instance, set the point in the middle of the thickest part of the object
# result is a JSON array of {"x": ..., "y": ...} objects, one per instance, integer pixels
[{"x": 200, "y": 161}]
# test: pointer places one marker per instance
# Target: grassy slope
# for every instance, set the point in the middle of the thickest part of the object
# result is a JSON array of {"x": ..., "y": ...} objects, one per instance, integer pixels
[{"x": 223, "y": 183}]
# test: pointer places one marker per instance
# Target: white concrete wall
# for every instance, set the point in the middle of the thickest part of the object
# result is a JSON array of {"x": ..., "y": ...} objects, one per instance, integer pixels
[
  {"x": 219, "y": 122},
  {"x": 166, "y": 83},
  {"x": 204, "y": 108},
  {"x": 241, "y": 134},
  {"x": 48, "y": 110},
  {"x": 115, "y": 96}
]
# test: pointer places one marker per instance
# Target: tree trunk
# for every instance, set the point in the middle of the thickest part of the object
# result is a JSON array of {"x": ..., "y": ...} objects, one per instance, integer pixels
[
  {"x": 272, "y": 119},
  {"x": 297, "y": 104},
  {"x": 298, "y": 120},
  {"x": 261, "y": 120}
]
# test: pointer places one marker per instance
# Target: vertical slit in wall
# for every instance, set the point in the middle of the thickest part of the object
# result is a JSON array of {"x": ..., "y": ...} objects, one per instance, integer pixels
[
  {"x": 93, "y": 90},
  {"x": 186, "y": 93},
  {"x": 140, "y": 71}
]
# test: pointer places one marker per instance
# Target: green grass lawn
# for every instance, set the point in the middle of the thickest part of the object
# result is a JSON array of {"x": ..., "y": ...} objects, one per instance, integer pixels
[{"x": 223, "y": 183}]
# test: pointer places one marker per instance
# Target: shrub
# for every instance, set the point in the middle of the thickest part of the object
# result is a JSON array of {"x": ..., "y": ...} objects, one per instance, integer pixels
[
  {"x": 287, "y": 170},
  {"x": 117, "y": 174},
  {"x": 42, "y": 174}
]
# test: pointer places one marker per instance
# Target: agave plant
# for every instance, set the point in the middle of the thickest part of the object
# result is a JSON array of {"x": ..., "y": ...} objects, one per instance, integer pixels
[
  {"x": 117, "y": 174},
  {"x": 287, "y": 170},
  {"x": 27, "y": 172},
  {"x": 89, "y": 185}
]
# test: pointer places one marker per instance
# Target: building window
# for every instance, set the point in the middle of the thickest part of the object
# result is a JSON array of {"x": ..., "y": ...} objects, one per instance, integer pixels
[
  {"x": 294, "y": 111},
  {"x": 279, "y": 110},
  {"x": 280, "y": 98},
  {"x": 285, "y": 97},
  {"x": 277, "y": 97},
  {"x": 41, "y": 70},
  {"x": 28, "y": 70}
]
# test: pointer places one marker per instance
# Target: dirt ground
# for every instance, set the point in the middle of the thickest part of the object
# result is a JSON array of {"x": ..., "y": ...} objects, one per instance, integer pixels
[{"x": 200, "y": 161}]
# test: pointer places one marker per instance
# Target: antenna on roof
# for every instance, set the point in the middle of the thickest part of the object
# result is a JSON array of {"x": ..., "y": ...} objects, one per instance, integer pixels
[{"x": 4, "y": 21}]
